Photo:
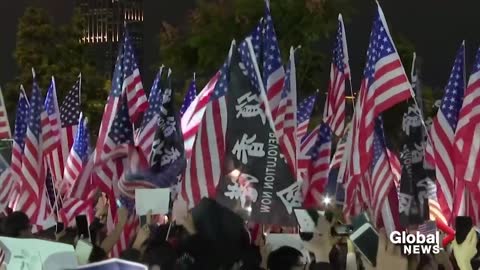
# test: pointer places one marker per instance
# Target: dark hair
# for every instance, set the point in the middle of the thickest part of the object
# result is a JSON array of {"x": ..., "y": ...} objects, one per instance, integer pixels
[
  {"x": 222, "y": 229},
  {"x": 161, "y": 254},
  {"x": 15, "y": 223},
  {"x": 131, "y": 254},
  {"x": 283, "y": 258},
  {"x": 97, "y": 254},
  {"x": 252, "y": 258}
]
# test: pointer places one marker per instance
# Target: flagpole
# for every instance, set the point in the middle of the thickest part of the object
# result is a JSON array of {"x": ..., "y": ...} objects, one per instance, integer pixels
[
  {"x": 263, "y": 94},
  {"x": 80, "y": 88}
]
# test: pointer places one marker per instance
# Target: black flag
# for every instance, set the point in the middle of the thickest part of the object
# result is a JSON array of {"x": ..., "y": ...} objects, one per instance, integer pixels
[
  {"x": 256, "y": 178},
  {"x": 415, "y": 184}
]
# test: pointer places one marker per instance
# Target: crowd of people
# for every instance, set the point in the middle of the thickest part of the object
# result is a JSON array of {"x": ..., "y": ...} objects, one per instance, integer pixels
[{"x": 211, "y": 237}]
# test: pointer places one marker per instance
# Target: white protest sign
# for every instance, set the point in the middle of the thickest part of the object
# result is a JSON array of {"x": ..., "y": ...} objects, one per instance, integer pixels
[
  {"x": 156, "y": 200},
  {"x": 34, "y": 254}
]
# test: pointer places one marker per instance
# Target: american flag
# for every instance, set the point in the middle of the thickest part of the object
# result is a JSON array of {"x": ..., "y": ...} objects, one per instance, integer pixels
[
  {"x": 21, "y": 118},
  {"x": 273, "y": 73},
  {"x": 193, "y": 116},
  {"x": 69, "y": 120},
  {"x": 126, "y": 79},
  {"x": 203, "y": 171},
  {"x": 319, "y": 166},
  {"x": 384, "y": 173},
  {"x": 340, "y": 150},
  {"x": 189, "y": 96},
  {"x": 126, "y": 237},
  {"x": 304, "y": 157},
  {"x": 119, "y": 136},
  {"x": 304, "y": 111},
  {"x": 132, "y": 82},
  {"x": 33, "y": 168},
  {"x": 53, "y": 130},
  {"x": 78, "y": 154},
  {"x": 149, "y": 125},
  {"x": 73, "y": 207},
  {"x": 286, "y": 122},
  {"x": 334, "y": 113},
  {"x": 467, "y": 161},
  {"x": 5, "y": 132},
  {"x": 442, "y": 134},
  {"x": 6, "y": 183},
  {"x": 384, "y": 85},
  {"x": 76, "y": 161},
  {"x": 429, "y": 227}
]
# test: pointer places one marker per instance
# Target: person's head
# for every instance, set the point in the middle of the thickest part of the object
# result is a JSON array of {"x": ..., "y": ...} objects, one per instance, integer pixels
[
  {"x": 159, "y": 255},
  {"x": 17, "y": 224},
  {"x": 131, "y": 254},
  {"x": 97, "y": 254},
  {"x": 285, "y": 258}
]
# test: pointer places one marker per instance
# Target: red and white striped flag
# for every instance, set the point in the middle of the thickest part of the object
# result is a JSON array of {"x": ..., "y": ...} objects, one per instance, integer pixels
[
  {"x": 78, "y": 154},
  {"x": 126, "y": 82},
  {"x": 21, "y": 118},
  {"x": 467, "y": 157},
  {"x": 286, "y": 119},
  {"x": 334, "y": 113},
  {"x": 449, "y": 191},
  {"x": 52, "y": 134},
  {"x": 33, "y": 167},
  {"x": 5, "y": 132},
  {"x": 203, "y": 171},
  {"x": 193, "y": 116},
  {"x": 126, "y": 237},
  {"x": 340, "y": 150},
  {"x": 304, "y": 157},
  {"x": 6, "y": 184},
  {"x": 319, "y": 167},
  {"x": 68, "y": 124},
  {"x": 384, "y": 85}
]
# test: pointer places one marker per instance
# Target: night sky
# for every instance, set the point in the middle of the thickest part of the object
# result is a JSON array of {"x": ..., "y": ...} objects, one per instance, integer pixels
[{"x": 435, "y": 27}]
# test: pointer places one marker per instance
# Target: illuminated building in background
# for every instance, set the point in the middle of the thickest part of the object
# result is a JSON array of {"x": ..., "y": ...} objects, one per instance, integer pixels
[{"x": 103, "y": 29}]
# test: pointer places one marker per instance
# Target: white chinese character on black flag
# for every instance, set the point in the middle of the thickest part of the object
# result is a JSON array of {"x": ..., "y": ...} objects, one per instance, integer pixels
[{"x": 255, "y": 177}]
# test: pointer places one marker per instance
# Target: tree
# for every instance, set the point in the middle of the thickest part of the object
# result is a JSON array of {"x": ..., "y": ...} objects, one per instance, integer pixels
[
  {"x": 202, "y": 45},
  {"x": 55, "y": 51}
]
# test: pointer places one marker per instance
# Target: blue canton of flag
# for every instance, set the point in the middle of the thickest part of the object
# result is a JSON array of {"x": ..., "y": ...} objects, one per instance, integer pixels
[
  {"x": 70, "y": 108},
  {"x": 378, "y": 141},
  {"x": 222, "y": 85},
  {"x": 305, "y": 109},
  {"x": 36, "y": 109},
  {"x": 189, "y": 97},
  {"x": 379, "y": 47},
  {"x": 81, "y": 143},
  {"x": 248, "y": 67},
  {"x": 338, "y": 53},
  {"x": 154, "y": 100},
  {"x": 271, "y": 52},
  {"x": 21, "y": 117},
  {"x": 324, "y": 136},
  {"x": 121, "y": 131},
  {"x": 50, "y": 99},
  {"x": 453, "y": 98}
]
